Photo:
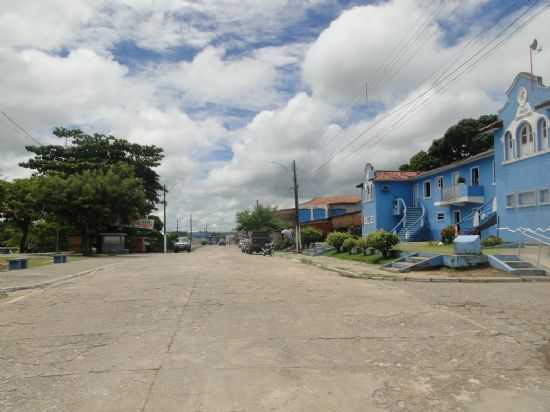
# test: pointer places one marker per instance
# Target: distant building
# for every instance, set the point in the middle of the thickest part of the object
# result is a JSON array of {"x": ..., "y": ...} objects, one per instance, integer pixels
[
  {"x": 496, "y": 192},
  {"x": 326, "y": 207}
]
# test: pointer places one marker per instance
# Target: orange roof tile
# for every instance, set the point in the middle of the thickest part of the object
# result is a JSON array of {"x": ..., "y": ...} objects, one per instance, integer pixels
[
  {"x": 330, "y": 200},
  {"x": 394, "y": 175}
]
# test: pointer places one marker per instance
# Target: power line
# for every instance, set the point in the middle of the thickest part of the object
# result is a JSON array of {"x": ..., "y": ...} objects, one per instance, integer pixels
[
  {"x": 409, "y": 46},
  {"x": 446, "y": 75},
  {"x": 18, "y": 126},
  {"x": 402, "y": 47},
  {"x": 442, "y": 88}
]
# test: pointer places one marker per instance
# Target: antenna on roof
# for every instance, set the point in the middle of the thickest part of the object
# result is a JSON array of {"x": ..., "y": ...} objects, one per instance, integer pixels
[{"x": 534, "y": 47}]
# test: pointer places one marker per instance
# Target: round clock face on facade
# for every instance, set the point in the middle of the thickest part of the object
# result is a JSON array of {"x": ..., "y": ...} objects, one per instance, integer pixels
[{"x": 522, "y": 96}]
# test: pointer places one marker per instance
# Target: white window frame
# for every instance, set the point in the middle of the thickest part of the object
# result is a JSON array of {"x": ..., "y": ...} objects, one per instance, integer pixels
[
  {"x": 514, "y": 198},
  {"x": 459, "y": 213},
  {"x": 541, "y": 203},
  {"x": 438, "y": 180},
  {"x": 440, "y": 217},
  {"x": 530, "y": 146},
  {"x": 369, "y": 189},
  {"x": 534, "y": 192},
  {"x": 508, "y": 146},
  {"x": 472, "y": 176},
  {"x": 424, "y": 188},
  {"x": 455, "y": 176},
  {"x": 542, "y": 128}
]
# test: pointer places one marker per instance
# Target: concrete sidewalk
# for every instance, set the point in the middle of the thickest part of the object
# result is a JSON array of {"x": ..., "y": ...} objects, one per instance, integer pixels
[
  {"x": 367, "y": 271},
  {"x": 46, "y": 275}
]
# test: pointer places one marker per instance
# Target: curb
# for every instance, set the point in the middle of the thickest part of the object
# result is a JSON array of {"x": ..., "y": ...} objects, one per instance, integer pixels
[
  {"x": 56, "y": 280},
  {"x": 390, "y": 278}
]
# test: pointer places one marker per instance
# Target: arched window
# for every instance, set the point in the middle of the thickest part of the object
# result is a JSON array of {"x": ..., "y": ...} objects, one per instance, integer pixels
[
  {"x": 543, "y": 134},
  {"x": 526, "y": 140},
  {"x": 508, "y": 146}
]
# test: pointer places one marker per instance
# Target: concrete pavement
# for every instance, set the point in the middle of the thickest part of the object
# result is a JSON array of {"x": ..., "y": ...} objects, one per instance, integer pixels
[
  {"x": 217, "y": 330},
  {"x": 11, "y": 281}
]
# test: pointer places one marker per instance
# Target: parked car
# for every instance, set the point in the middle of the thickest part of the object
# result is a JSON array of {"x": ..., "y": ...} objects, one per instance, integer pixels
[
  {"x": 221, "y": 242},
  {"x": 182, "y": 244},
  {"x": 256, "y": 242}
]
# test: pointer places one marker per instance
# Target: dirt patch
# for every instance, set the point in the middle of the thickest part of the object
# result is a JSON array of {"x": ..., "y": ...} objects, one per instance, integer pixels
[{"x": 546, "y": 353}]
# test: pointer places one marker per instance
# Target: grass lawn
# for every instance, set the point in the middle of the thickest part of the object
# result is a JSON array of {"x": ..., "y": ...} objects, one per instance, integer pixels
[
  {"x": 36, "y": 261},
  {"x": 426, "y": 247},
  {"x": 371, "y": 259}
]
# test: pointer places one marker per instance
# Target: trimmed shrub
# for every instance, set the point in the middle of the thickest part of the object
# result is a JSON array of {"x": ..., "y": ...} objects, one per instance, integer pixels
[
  {"x": 448, "y": 234},
  {"x": 349, "y": 244},
  {"x": 311, "y": 235},
  {"x": 491, "y": 241},
  {"x": 336, "y": 239},
  {"x": 363, "y": 245},
  {"x": 382, "y": 241}
]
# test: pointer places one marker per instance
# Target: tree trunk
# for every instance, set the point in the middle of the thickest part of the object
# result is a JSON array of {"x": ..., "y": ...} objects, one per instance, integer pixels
[
  {"x": 24, "y": 236},
  {"x": 84, "y": 242}
]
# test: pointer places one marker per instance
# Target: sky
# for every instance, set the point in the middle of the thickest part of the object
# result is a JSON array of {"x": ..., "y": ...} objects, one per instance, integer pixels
[{"x": 234, "y": 90}]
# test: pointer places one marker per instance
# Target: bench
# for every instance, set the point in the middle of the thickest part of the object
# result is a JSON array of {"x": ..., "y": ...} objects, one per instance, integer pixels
[
  {"x": 59, "y": 259},
  {"x": 7, "y": 250},
  {"x": 18, "y": 263}
]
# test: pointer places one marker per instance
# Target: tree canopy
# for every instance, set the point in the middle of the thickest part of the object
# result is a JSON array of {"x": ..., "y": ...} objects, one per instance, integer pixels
[
  {"x": 258, "y": 219},
  {"x": 460, "y": 141},
  {"x": 21, "y": 203},
  {"x": 85, "y": 152},
  {"x": 95, "y": 200}
]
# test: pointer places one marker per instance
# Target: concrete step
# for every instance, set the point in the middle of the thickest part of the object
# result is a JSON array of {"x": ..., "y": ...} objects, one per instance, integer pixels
[{"x": 528, "y": 272}]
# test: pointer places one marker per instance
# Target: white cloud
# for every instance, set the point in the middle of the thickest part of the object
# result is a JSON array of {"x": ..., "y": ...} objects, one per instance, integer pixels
[
  {"x": 87, "y": 87},
  {"x": 211, "y": 78}
]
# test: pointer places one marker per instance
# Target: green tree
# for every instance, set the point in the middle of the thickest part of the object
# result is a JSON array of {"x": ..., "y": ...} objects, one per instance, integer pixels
[
  {"x": 420, "y": 162},
  {"x": 337, "y": 239},
  {"x": 311, "y": 235},
  {"x": 98, "y": 152},
  {"x": 22, "y": 204},
  {"x": 258, "y": 219},
  {"x": 349, "y": 244},
  {"x": 382, "y": 241},
  {"x": 363, "y": 245},
  {"x": 460, "y": 141},
  {"x": 95, "y": 200}
]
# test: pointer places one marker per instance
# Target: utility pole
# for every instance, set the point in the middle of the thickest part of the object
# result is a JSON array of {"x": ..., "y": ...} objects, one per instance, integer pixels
[
  {"x": 165, "y": 228},
  {"x": 191, "y": 229},
  {"x": 296, "y": 209},
  {"x": 177, "y": 225}
]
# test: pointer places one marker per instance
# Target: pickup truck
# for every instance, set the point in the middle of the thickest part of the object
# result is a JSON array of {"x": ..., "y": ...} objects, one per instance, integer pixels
[{"x": 182, "y": 244}]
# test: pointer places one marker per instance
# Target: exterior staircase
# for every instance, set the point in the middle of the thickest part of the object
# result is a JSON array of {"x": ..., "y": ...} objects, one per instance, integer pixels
[
  {"x": 414, "y": 261},
  {"x": 413, "y": 226},
  {"x": 515, "y": 265}
]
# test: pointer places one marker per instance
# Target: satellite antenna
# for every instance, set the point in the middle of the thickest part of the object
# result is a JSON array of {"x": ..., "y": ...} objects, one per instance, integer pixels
[{"x": 534, "y": 47}]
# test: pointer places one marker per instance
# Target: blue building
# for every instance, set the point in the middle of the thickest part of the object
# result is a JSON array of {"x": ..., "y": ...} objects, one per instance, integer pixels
[{"x": 495, "y": 192}]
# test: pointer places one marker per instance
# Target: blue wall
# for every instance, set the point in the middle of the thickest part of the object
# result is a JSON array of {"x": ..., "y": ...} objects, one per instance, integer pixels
[
  {"x": 319, "y": 213},
  {"x": 304, "y": 215},
  {"x": 524, "y": 174},
  {"x": 486, "y": 186},
  {"x": 378, "y": 214}
]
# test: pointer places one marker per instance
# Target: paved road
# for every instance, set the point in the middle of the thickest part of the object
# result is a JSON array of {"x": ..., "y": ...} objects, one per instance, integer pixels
[{"x": 224, "y": 332}]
